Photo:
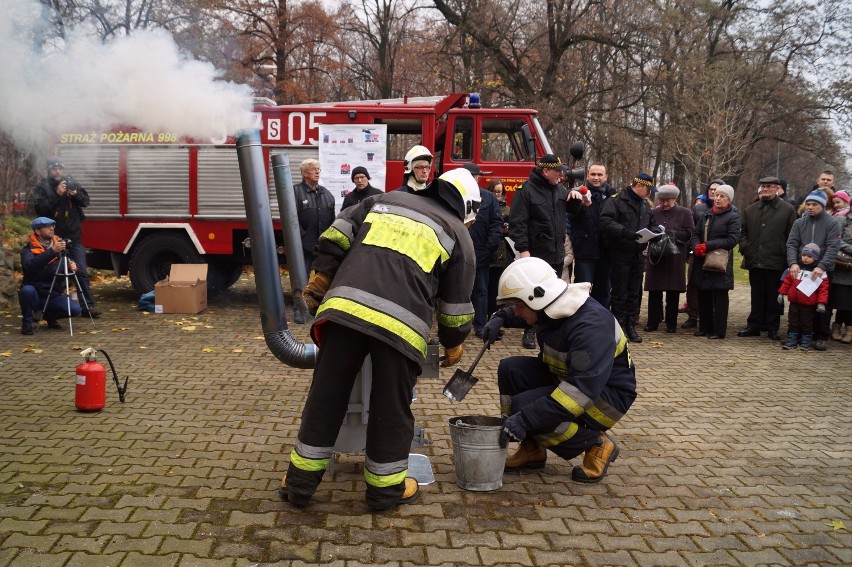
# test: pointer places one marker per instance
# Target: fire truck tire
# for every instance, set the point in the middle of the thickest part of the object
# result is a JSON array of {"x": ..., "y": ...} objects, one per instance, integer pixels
[
  {"x": 222, "y": 274},
  {"x": 153, "y": 256}
]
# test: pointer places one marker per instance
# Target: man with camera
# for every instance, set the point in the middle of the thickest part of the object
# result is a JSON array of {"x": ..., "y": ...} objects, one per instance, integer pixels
[
  {"x": 61, "y": 198},
  {"x": 43, "y": 258}
]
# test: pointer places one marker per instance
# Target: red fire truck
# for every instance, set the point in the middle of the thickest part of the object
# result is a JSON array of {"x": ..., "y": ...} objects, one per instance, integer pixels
[{"x": 158, "y": 199}]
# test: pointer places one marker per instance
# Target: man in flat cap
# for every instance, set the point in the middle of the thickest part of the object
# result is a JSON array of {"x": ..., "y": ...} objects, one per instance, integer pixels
[
  {"x": 621, "y": 218},
  {"x": 537, "y": 219},
  {"x": 766, "y": 224}
]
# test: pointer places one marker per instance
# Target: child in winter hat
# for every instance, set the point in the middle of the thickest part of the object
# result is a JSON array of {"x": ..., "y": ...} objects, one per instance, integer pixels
[{"x": 802, "y": 306}]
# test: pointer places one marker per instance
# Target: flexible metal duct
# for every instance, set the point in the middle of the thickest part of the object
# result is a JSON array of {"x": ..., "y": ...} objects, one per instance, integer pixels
[
  {"x": 265, "y": 258},
  {"x": 290, "y": 228}
]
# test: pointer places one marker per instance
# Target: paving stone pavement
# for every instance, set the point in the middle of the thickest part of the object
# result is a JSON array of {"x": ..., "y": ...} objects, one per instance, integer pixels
[{"x": 735, "y": 453}]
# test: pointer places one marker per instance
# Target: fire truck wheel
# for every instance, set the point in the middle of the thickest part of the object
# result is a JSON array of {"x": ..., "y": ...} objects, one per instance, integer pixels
[
  {"x": 154, "y": 255},
  {"x": 222, "y": 274}
]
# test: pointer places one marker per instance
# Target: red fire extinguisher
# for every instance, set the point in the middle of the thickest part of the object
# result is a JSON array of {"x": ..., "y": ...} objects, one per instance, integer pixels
[{"x": 91, "y": 382}]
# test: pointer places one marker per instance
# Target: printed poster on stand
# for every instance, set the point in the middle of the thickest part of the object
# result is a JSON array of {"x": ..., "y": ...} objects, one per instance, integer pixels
[{"x": 342, "y": 148}]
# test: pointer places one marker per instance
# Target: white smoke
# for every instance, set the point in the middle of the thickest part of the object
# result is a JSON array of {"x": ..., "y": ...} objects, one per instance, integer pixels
[{"x": 141, "y": 81}]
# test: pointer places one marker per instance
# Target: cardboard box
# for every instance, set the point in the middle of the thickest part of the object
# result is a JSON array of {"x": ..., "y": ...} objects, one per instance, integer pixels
[{"x": 184, "y": 291}]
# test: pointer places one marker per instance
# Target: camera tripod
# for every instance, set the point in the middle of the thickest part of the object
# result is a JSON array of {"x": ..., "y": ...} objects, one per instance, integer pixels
[{"x": 63, "y": 270}]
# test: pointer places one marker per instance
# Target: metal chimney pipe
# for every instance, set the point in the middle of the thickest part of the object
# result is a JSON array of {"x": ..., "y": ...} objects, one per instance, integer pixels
[
  {"x": 265, "y": 258},
  {"x": 290, "y": 232}
]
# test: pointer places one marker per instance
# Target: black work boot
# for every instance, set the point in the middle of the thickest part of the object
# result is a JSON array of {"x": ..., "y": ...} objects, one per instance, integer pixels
[
  {"x": 378, "y": 500},
  {"x": 298, "y": 486},
  {"x": 528, "y": 341}
]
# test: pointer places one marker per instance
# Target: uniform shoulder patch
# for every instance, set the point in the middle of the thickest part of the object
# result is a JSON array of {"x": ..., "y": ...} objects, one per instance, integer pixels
[{"x": 580, "y": 360}]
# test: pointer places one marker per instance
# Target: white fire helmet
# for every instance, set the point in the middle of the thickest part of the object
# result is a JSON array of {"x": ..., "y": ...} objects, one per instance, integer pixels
[
  {"x": 415, "y": 154},
  {"x": 468, "y": 188},
  {"x": 533, "y": 281}
]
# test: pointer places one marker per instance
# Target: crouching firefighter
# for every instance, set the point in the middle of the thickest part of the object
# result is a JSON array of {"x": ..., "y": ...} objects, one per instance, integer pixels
[
  {"x": 581, "y": 383},
  {"x": 384, "y": 269}
]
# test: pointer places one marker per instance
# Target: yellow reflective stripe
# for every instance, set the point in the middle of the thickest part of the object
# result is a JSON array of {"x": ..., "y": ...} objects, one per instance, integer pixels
[
  {"x": 384, "y": 480},
  {"x": 604, "y": 413},
  {"x": 453, "y": 321},
  {"x": 334, "y": 235},
  {"x": 377, "y": 318},
  {"x": 410, "y": 238},
  {"x": 567, "y": 402},
  {"x": 602, "y": 418},
  {"x": 563, "y": 433},
  {"x": 558, "y": 367},
  {"x": 306, "y": 464},
  {"x": 621, "y": 344}
]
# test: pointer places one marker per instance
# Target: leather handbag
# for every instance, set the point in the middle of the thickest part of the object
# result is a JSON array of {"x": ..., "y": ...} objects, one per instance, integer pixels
[
  {"x": 660, "y": 248},
  {"x": 715, "y": 260},
  {"x": 843, "y": 261}
]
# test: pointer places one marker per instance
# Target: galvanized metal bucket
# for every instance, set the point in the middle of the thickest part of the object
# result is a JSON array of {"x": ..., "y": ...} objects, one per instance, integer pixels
[{"x": 477, "y": 454}]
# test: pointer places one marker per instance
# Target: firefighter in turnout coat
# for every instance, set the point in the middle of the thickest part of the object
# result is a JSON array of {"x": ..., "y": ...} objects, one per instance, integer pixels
[
  {"x": 578, "y": 387},
  {"x": 384, "y": 269}
]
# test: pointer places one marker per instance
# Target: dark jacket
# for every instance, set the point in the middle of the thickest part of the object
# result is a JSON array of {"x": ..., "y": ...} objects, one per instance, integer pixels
[
  {"x": 669, "y": 274},
  {"x": 39, "y": 265},
  {"x": 724, "y": 233},
  {"x": 398, "y": 261},
  {"x": 841, "y": 276},
  {"x": 763, "y": 238},
  {"x": 487, "y": 232},
  {"x": 621, "y": 217},
  {"x": 537, "y": 219},
  {"x": 585, "y": 223},
  {"x": 66, "y": 210},
  {"x": 823, "y": 230},
  {"x": 355, "y": 196},
  {"x": 315, "y": 209},
  {"x": 586, "y": 355}
]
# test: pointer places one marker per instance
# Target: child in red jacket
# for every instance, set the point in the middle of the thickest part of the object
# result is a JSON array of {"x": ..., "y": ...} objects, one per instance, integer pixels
[{"x": 802, "y": 307}]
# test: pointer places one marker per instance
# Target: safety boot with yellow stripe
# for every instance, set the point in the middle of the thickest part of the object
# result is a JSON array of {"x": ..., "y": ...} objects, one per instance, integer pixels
[
  {"x": 411, "y": 490},
  {"x": 528, "y": 456},
  {"x": 597, "y": 460}
]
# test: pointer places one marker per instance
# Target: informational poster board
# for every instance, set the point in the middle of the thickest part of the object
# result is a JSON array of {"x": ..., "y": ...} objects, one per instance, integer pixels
[{"x": 343, "y": 147}]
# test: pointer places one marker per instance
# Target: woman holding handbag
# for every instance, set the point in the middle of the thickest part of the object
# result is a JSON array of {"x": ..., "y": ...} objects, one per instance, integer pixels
[
  {"x": 713, "y": 240},
  {"x": 665, "y": 262}
]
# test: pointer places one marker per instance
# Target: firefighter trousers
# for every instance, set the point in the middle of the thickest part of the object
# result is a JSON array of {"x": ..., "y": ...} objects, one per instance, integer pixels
[
  {"x": 522, "y": 380},
  {"x": 390, "y": 427}
]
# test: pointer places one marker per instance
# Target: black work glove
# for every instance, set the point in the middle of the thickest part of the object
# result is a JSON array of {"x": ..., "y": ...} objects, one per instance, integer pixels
[
  {"x": 514, "y": 429},
  {"x": 491, "y": 331}
]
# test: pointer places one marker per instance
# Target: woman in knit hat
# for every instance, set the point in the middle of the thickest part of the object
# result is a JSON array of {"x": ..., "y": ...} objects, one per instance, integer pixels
[
  {"x": 667, "y": 274},
  {"x": 718, "y": 229},
  {"x": 841, "y": 204}
]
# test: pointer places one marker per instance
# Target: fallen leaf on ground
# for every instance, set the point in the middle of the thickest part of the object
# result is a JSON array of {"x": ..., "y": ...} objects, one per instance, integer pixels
[
  {"x": 119, "y": 329},
  {"x": 207, "y": 350},
  {"x": 237, "y": 350},
  {"x": 836, "y": 524},
  {"x": 7, "y": 353},
  {"x": 189, "y": 328}
]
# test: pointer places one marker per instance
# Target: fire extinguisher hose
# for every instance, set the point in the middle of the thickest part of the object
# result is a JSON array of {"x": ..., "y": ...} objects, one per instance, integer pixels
[{"x": 121, "y": 390}]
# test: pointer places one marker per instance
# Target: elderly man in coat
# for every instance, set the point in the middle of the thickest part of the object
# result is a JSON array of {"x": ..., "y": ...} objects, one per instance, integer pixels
[{"x": 766, "y": 224}]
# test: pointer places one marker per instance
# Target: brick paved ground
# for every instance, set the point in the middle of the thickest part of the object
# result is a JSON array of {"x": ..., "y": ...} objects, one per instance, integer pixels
[{"x": 736, "y": 453}]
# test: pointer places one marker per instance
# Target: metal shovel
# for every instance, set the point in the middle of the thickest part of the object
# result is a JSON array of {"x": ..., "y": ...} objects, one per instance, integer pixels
[{"x": 461, "y": 382}]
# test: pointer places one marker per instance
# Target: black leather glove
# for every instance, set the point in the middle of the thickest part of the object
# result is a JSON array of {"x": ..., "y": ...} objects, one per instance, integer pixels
[
  {"x": 491, "y": 331},
  {"x": 514, "y": 429}
]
